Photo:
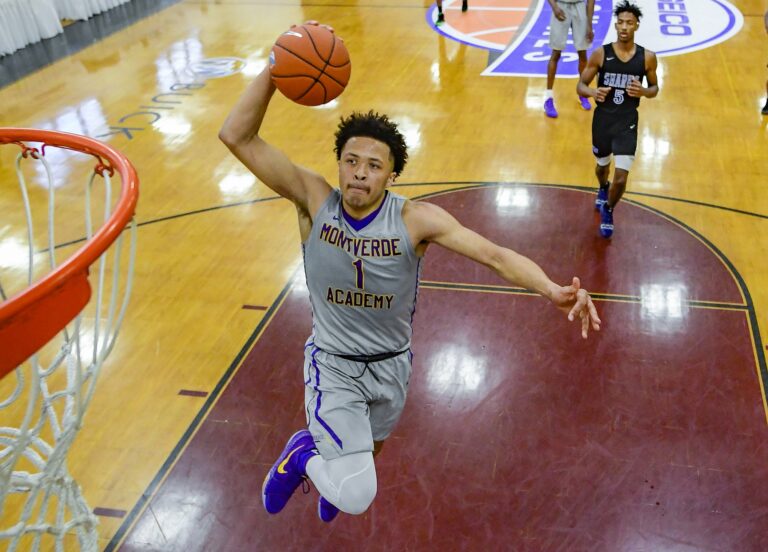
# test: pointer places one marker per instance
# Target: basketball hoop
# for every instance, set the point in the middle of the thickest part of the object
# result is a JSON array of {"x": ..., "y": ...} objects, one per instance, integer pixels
[{"x": 47, "y": 320}]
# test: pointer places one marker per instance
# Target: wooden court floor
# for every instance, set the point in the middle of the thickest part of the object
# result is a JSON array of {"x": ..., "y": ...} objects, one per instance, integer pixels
[{"x": 659, "y": 423}]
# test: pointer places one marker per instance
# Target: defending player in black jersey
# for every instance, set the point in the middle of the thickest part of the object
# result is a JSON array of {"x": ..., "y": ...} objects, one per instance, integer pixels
[{"x": 620, "y": 67}]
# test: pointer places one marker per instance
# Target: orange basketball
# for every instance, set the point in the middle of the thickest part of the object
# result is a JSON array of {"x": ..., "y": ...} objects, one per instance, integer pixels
[{"x": 310, "y": 65}]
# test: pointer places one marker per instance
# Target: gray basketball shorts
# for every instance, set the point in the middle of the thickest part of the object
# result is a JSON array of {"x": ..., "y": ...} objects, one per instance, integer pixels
[
  {"x": 349, "y": 404},
  {"x": 576, "y": 20}
]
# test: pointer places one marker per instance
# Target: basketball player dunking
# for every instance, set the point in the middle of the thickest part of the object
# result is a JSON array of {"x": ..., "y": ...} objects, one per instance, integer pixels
[
  {"x": 621, "y": 67},
  {"x": 362, "y": 249}
]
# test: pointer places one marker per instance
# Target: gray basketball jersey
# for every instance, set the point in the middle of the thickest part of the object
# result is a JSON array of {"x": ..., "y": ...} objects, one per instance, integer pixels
[{"x": 362, "y": 278}]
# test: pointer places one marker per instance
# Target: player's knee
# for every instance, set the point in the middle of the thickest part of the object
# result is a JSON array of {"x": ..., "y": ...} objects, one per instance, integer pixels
[
  {"x": 356, "y": 499},
  {"x": 358, "y": 489},
  {"x": 620, "y": 180},
  {"x": 603, "y": 165}
]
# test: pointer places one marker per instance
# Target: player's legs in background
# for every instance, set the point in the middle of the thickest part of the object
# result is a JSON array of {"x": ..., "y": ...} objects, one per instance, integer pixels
[
  {"x": 582, "y": 60},
  {"x": 579, "y": 26},
  {"x": 440, "y": 16},
  {"x": 617, "y": 186},
  {"x": 582, "y": 64},
  {"x": 602, "y": 170},
  {"x": 623, "y": 143},
  {"x": 554, "y": 59},
  {"x": 549, "y": 100},
  {"x": 615, "y": 191},
  {"x": 558, "y": 36}
]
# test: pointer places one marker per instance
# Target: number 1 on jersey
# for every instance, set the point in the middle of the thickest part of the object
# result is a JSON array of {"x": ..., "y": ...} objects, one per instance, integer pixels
[{"x": 359, "y": 270}]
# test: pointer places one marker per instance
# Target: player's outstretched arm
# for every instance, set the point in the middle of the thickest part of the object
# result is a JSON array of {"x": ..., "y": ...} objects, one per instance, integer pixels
[
  {"x": 594, "y": 63},
  {"x": 432, "y": 224},
  {"x": 240, "y": 133}
]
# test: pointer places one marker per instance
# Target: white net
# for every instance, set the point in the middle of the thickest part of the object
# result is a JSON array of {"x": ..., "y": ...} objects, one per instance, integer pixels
[{"x": 43, "y": 401}]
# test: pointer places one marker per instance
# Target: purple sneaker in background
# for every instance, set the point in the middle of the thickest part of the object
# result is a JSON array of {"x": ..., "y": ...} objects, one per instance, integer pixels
[
  {"x": 606, "y": 220},
  {"x": 602, "y": 196},
  {"x": 549, "y": 108}
]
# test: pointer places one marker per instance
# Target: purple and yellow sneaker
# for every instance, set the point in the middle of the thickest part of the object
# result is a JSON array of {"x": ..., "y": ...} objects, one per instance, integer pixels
[
  {"x": 606, "y": 220},
  {"x": 584, "y": 101},
  {"x": 549, "y": 108},
  {"x": 602, "y": 196},
  {"x": 288, "y": 471},
  {"x": 326, "y": 511}
]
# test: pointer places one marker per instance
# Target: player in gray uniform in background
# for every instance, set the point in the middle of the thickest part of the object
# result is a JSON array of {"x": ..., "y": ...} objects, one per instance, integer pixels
[
  {"x": 362, "y": 247},
  {"x": 575, "y": 15}
]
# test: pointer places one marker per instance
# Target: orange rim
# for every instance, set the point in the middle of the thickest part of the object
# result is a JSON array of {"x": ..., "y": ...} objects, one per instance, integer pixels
[{"x": 31, "y": 318}]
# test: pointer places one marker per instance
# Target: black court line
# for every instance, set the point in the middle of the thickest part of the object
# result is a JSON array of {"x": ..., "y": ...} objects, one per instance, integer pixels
[
  {"x": 595, "y": 296},
  {"x": 171, "y": 217},
  {"x": 466, "y": 185},
  {"x": 156, "y": 482},
  {"x": 109, "y": 512},
  {"x": 584, "y": 189},
  {"x": 749, "y": 306},
  {"x": 192, "y": 393}
]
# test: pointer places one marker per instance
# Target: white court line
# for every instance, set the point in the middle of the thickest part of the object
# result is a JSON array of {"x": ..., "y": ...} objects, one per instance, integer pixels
[
  {"x": 485, "y": 9},
  {"x": 491, "y": 31}
]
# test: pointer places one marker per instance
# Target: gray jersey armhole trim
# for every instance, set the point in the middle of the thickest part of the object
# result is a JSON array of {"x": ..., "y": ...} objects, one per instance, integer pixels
[
  {"x": 333, "y": 193},
  {"x": 403, "y": 227}
]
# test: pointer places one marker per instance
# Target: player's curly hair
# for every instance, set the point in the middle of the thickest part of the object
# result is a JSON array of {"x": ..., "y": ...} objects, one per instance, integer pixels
[
  {"x": 376, "y": 126},
  {"x": 627, "y": 6}
]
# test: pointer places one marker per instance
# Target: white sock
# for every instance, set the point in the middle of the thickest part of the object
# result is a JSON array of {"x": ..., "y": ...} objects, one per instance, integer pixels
[{"x": 548, "y": 94}]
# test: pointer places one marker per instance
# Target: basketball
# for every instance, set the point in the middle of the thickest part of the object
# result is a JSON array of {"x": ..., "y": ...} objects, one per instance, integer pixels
[{"x": 310, "y": 65}]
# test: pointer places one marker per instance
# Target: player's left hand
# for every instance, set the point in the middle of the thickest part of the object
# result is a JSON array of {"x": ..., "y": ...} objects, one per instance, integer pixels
[
  {"x": 601, "y": 92},
  {"x": 635, "y": 89},
  {"x": 578, "y": 304},
  {"x": 590, "y": 34}
]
